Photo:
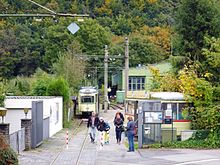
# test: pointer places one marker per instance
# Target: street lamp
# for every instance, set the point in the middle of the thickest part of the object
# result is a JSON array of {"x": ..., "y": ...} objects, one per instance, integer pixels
[
  {"x": 3, "y": 112},
  {"x": 26, "y": 112}
]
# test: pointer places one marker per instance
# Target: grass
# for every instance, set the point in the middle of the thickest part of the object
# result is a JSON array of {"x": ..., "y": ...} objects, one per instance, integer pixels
[{"x": 135, "y": 145}]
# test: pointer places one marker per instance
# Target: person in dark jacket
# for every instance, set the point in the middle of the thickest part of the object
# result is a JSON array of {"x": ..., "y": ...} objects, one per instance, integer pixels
[
  {"x": 121, "y": 115},
  {"x": 130, "y": 133},
  {"x": 92, "y": 124},
  {"x": 118, "y": 122},
  {"x": 102, "y": 129}
]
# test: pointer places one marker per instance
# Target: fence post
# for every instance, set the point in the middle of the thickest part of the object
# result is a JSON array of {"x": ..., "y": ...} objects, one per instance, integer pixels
[
  {"x": 27, "y": 124},
  {"x": 4, "y": 130}
]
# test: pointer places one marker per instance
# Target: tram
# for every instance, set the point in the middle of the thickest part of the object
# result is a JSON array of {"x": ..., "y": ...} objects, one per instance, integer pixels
[{"x": 88, "y": 101}]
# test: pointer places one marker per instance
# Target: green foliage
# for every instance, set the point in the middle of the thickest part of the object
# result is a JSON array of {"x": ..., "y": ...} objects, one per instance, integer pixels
[
  {"x": 8, "y": 48},
  {"x": 206, "y": 118},
  {"x": 142, "y": 51},
  {"x": 2, "y": 93},
  {"x": 196, "y": 90},
  {"x": 200, "y": 135},
  {"x": 211, "y": 64},
  {"x": 166, "y": 82},
  {"x": 216, "y": 94},
  {"x": 64, "y": 67},
  {"x": 60, "y": 87},
  {"x": 40, "y": 85},
  {"x": 93, "y": 37},
  {"x": 196, "y": 19},
  {"x": 201, "y": 139},
  {"x": 7, "y": 155},
  {"x": 122, "y": 25},
  {"x": 19, "y": 86}
]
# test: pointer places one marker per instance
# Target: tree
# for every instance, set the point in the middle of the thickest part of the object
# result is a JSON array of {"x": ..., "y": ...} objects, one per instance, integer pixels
[
  {"x": 93, "y": 37},
  {"x": 8, "y": 56},
  {"x": 142, "y": 51},
  {"x": 60, "y": 87},
  {"x": 196, "y": 19},
  {"x": 122, "y": 25},
  {"x": 40, "y": 84},
  {"x": 167, "y": 82},
  {"x": 211, "y": 64},
  {"x": 71, "y": 69}
]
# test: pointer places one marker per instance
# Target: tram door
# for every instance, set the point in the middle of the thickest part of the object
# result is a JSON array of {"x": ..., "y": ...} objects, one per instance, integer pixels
[{"x": 149, "y": 122}]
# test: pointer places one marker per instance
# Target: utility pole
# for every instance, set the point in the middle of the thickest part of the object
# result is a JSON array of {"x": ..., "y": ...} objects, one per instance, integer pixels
[
  {"x": 106, "y": 80},
  {"x": 126, "y": 68}
]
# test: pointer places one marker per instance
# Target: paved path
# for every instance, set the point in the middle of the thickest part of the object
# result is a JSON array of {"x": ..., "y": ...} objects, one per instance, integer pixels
[{"x": 54, "y": 152}]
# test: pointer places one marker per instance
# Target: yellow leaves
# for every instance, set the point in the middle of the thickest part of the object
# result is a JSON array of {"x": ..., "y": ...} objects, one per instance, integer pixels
[
  {"x": 105, "y": 9},
  {"x": 160, "y": 36},
  {"x": 2, "y": 24},
  {"x": 117, "y": 39},
  {"x": 152, "y": 1}
]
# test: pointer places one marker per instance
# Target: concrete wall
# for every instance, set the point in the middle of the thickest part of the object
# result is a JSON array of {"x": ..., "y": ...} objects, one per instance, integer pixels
[
  {"x": 180, "y": 126},
  {"x": 14, "y": 117},
  {"x": 52, "y": 108}
]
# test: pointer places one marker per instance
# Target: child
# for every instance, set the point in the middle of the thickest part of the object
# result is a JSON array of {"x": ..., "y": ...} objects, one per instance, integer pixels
[
  {"x": 107, "y": 131},
  {"x": 101, "y": 129}
]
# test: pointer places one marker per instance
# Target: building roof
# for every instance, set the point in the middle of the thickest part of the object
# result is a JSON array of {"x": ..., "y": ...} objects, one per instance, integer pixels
[{"x": 167, "y": 95}]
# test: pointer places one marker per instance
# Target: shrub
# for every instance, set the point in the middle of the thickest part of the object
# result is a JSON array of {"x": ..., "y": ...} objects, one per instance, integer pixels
[
  {"x": 7, "y": 155},
  {"x": 59, "y": 87},
  {"x": 200, "y": 134}
]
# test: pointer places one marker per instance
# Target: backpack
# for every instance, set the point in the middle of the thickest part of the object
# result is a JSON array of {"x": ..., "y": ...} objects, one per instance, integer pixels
[{"x": 107, "y": 127}]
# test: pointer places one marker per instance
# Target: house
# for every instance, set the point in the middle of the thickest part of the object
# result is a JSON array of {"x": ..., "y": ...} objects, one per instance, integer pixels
[
  {"x": 140, "y": 80},
  {"x": 52, "y": 112}
]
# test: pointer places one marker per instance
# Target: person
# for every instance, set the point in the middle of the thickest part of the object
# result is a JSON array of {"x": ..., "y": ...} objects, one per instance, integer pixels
[
  {"x": 107, "y": 132},
  {"x": 92, "y": 124},
  {"x": 118, "y": 122},
  {"x": 121, "y": 115},
  {"x": 130, "y": 133},
  {"x": 102, "y": 127}
]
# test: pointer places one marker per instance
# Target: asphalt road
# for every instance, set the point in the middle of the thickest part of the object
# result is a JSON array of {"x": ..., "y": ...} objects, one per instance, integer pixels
[{"x": 81, "y": 152}]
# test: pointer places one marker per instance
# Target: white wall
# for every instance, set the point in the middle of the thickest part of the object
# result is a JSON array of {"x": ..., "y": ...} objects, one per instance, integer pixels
[
  {"x": 52, "y": 107},
  {"x": 14, "y": 117}
]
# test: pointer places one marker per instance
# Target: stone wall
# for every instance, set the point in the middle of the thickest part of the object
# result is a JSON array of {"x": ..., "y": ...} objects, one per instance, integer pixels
[{"x": 27, "y": 124}]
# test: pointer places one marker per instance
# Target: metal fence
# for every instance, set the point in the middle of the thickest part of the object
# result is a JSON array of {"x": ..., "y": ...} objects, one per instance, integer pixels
[
  {"x": 37, "y": 123},
  {"x": 17, "y": 140}
]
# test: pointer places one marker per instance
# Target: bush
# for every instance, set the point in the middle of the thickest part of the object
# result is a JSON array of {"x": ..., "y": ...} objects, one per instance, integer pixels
[
  {"x": 200, "y": 140},
  {"x": 59, "y": 87},
  {"x": 201, "y": 134},
  {"x": 7, "y": 155},
  {"x": 2, "y": 94}
]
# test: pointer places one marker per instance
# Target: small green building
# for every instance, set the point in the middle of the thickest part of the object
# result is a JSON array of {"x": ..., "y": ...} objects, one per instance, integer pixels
[{"x": 140, "y": 79}]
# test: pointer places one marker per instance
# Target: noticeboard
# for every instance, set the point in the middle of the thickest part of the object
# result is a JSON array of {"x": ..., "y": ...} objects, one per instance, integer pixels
[{"x": 152, "y": 117}]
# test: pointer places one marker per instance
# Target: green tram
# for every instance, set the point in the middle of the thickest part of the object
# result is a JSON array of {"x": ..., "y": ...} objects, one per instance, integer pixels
[{"x": 88, "y": 101}]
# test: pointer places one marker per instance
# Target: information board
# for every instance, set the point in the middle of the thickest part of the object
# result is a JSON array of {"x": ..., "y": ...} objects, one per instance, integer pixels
[{"x": 153, "y": 117}]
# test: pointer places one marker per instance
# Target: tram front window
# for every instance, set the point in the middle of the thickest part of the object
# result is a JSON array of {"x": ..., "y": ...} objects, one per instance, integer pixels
[{"x": 87, "y": 99}]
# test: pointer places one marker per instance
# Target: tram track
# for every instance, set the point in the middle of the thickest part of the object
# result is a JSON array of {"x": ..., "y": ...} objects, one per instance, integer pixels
[
  {"x": 81, "y": 149},
  {"x": 75, "y": 131}
]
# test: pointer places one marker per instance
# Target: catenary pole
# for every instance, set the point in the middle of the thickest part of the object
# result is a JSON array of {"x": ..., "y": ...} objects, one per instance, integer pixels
[
  {"x": 126, "y": 69},
  {"x": 106, "y": 79}
]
